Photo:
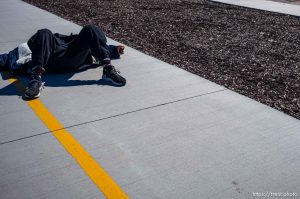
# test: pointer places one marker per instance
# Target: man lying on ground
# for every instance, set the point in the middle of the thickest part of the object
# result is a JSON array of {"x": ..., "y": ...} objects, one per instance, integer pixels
[{"x": 50, "y": 52}]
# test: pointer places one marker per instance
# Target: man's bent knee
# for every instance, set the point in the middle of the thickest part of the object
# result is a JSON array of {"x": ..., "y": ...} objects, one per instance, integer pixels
[
  {"x": 44, "y": 32},
  {"x": 90, "y": 27}
]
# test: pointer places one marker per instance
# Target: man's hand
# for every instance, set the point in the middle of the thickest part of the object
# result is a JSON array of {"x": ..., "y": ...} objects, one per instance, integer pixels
[{"x": 120, "y": 49}]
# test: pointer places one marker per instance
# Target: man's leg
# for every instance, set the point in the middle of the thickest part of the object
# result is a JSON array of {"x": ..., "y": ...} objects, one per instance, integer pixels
[
  {"x": 42, "y": 45},
  {"x": 93, "y": 39}
]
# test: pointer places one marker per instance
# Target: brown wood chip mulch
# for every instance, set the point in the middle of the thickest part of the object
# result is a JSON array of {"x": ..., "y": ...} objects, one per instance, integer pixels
[{"x": 252, "y": 52}]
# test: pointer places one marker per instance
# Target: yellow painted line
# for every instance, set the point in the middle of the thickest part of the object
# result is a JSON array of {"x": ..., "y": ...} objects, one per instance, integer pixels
[{"x": 98, "y": 175}]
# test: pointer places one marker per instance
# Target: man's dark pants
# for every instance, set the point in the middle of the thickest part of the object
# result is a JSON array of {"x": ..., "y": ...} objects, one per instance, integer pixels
[{"x": 54, "y": 53}]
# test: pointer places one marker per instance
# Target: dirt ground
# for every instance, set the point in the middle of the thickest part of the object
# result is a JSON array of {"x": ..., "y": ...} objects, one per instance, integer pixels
[{"x": 252, "y": 52}]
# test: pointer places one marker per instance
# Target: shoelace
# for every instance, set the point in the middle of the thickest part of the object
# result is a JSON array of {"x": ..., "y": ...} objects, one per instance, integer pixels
[
  {"x": 114, "y": 70},
  {"x": 31, "y": 83}
]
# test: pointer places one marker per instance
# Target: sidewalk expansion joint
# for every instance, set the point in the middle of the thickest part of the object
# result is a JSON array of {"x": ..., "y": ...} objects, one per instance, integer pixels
[{"x": 114, "y": 116}]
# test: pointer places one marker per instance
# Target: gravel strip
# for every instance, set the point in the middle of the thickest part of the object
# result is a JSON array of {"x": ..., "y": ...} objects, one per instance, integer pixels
[{"x": 252, "y": 52}]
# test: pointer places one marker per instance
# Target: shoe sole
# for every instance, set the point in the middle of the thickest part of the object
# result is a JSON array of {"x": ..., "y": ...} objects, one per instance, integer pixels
[
  {"x": 105, "y": 78},
  {"x": 36, "y": 96}
]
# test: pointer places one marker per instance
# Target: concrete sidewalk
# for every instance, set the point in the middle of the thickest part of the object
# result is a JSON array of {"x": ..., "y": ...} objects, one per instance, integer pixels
[
  {"x": 166, "y": 134},
  {"x": 266, "y": 5}
]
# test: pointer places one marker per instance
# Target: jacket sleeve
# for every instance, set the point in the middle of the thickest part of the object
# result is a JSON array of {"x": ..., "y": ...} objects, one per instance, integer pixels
[
  {"x": 3, "y": 61},
  {"x": 13, "y": 56},
  {"x": 24, "y": 54},
  {"x": 16, "y": 58}
]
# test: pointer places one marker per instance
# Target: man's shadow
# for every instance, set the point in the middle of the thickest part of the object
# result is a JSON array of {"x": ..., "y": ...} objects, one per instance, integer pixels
[
  {"x": 14, "y": 88},
  {"x": 63, "y": 79},
  {"x": 57, "y": 79}
]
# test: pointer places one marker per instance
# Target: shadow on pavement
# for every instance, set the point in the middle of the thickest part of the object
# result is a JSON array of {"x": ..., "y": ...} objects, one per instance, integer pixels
[
  {"x": 51, "y": 80},
  {"x": 16, "y": 88},
  {"x": 63, "y": 79}
]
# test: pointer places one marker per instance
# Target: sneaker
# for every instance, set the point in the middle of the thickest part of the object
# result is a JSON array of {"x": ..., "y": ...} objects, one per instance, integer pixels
[
  {"x": 113, "y": 75},
  {"x": 34, "y": 87}
]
